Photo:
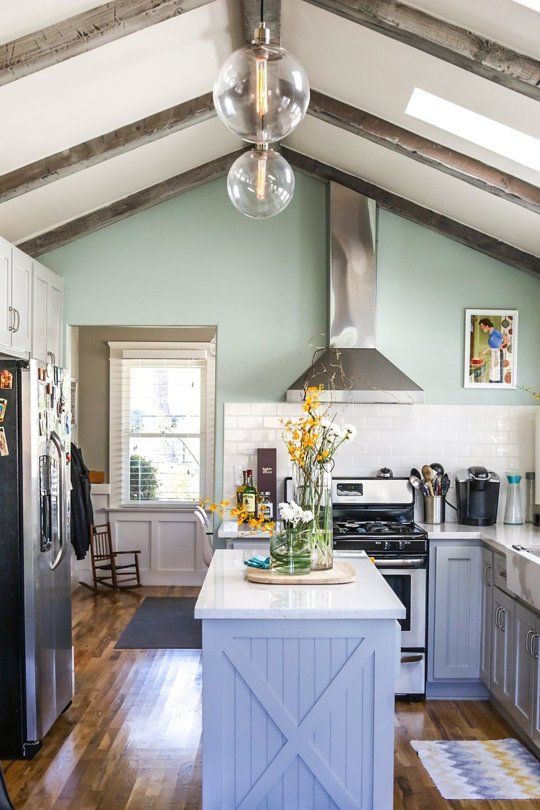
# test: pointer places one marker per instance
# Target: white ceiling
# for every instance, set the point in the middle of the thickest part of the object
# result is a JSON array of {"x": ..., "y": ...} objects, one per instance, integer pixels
[
  {"x": 503, "y": 21},
  {"x": 25, "y": 16},
  {"x": 173, "y": 61},
  {"x": 378, "y": 74}
]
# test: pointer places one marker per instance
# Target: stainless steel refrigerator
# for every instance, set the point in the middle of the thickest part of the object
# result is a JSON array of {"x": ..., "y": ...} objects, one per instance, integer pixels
[{"x": 36, "y": 659}]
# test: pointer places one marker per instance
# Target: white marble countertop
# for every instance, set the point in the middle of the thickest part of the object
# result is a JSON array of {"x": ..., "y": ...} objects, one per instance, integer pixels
[
  {"x": 227, "y": 595},
  {"x": 500, "y": 537}
]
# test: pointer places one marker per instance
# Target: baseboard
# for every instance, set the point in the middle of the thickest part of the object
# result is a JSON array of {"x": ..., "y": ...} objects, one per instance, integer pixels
[
  {"x": 527, "y": 742},
  {"x": 456, "y": 690}
]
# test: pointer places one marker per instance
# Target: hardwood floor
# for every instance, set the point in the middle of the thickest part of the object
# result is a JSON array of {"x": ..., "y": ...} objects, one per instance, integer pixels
[{"x": 131, "y": 739}]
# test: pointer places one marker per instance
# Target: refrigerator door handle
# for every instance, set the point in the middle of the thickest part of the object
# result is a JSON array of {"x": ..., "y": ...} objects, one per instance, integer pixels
[{"x": 57, "y": 441}]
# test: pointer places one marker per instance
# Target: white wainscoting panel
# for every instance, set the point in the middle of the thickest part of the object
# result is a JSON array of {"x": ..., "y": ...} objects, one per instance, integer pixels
[{"x": 167, "y": 539}]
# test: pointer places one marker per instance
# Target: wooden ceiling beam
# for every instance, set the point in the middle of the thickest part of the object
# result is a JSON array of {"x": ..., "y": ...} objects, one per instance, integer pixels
[
  {"x": 416, "y": 213},
  {"x": 55, "y": 167},
  {"x": 83, "y": 32},
  {"x": 251, "y": 15},
  {"x": 481, "y": 175},
  {"x": 444, "y": 40},
  {"x": 132, "y": 204}
]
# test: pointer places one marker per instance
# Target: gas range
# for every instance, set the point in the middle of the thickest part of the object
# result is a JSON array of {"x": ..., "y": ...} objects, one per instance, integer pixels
[
  {"x": 376, "y": 515},
  {"x": 373, "y": 514}
]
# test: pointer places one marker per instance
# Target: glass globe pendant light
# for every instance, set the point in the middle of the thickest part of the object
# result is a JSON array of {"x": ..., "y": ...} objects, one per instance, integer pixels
[
  {"x": 260, "y": 183},
  {"x": 262, "y": 92}
]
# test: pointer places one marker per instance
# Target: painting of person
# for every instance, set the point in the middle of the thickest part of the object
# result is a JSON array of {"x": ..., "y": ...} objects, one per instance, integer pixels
[
  {"x": 495, "y": 341},
  {"x": 490, "y": 348}
]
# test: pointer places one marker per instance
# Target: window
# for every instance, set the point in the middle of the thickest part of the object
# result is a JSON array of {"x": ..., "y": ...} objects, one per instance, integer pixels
[
  {"x": 478, "y": 129},
  {"x": 162, "y": 423}
]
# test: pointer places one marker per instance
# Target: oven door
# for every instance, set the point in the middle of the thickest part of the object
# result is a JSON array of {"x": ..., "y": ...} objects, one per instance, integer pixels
[{"x": 407, "y": 578}]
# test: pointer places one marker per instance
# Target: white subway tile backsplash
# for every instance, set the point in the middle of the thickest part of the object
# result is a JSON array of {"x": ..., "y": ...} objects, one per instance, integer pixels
[
  {"x": 397, "y": 436},
  {"x": 249, "y": 421},
  {"x": 237, "y": 408}
]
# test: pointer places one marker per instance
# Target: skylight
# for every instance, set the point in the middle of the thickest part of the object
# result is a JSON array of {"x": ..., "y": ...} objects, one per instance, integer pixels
[
  {"x": 475, "y": 128},
  {"x": 534, "y": 4}
]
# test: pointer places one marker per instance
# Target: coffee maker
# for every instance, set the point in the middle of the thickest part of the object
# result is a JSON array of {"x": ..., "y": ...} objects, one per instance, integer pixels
[{"x": 477, "y": 496}]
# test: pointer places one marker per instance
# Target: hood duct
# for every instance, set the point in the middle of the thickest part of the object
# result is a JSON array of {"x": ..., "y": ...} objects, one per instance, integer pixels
[{"x": 352, "y": 369}]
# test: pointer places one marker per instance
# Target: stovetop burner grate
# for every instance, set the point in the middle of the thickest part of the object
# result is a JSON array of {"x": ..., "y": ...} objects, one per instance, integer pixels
[{"x": 344, "y": 528}]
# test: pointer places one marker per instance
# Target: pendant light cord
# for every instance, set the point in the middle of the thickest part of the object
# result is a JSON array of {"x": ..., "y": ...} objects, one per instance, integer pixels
[{"x": 262, "y": 10}]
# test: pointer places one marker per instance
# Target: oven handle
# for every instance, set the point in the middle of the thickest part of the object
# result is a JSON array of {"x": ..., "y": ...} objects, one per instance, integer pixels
[
  {"x": 402, "y": 562},
  {"x": 412, "y": 658}
]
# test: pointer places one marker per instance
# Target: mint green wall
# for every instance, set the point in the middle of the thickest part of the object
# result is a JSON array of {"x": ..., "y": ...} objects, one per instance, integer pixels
[
  {"x": 425, "y": 283},
  {"x": 195, "y": 260}
]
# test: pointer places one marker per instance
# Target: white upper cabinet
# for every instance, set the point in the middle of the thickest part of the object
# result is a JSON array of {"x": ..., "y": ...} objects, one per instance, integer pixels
[
  {"x": 6, "y": 319},
  {"x": 21, "y": 301},
  {"x": 31, "y": 307},
  {"x": 47, "y": 315}
]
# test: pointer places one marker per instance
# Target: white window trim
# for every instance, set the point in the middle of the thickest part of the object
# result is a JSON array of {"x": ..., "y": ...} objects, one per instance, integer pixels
[{"x": 118, "y": 351}]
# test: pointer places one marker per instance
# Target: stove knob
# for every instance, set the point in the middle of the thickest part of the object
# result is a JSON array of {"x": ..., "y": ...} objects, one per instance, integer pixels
[{"x": 386, "y": 545}]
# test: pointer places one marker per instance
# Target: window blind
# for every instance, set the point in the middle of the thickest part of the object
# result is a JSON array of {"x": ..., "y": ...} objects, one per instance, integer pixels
[{"x": 161, "y": 438}]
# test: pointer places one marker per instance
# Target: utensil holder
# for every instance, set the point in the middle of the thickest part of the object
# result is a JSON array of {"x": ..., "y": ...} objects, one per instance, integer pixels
[{"x": 434, "y": 509}]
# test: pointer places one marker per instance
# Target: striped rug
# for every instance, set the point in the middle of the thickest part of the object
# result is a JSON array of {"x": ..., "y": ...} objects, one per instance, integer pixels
[{"x": 495, "y": 769}]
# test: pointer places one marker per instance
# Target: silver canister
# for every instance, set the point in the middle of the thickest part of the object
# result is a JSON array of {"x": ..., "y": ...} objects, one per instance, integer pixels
[{"x": 434, "y": 508}]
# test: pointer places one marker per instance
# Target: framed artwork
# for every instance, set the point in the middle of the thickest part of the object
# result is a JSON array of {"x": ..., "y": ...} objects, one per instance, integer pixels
[{"x": 491, "y": 348}]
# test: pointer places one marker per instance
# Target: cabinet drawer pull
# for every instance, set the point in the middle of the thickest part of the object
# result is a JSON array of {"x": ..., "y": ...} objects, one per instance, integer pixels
[
  {"x": 533, "y": 653},
  {"x": 487, "y": 580},
  {"x": 502, "y": 574},
  {"x": 497, "y": 615},
  {"x": 503, "y": 620},
  {"x": 11, "y": 319},
  {"x": 18, "y": 322}
]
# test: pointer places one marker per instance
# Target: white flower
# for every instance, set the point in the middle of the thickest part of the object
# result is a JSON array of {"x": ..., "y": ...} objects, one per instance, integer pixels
[
  {"x": 294, "y": 514},
  {"x": 350, "y": 432},
  {"x": 333, "y": 429}
]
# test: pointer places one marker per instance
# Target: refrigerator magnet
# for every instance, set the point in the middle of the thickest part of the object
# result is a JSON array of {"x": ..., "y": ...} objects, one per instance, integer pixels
[
  {"x": 6, "y": 380},
  {"x": 3, "y": 408},
  {"x": 4, "y": 451}
]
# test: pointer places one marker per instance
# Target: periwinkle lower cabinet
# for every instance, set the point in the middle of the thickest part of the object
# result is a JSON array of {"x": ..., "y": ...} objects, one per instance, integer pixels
[
  {"x": 510, "y": 649},
  {"x": 455, "y": 608},
  {"x": 31, "y": 307}
]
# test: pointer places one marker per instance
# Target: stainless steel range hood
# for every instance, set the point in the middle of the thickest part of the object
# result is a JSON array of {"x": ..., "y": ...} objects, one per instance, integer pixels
[{"x": 352, "y": 369}]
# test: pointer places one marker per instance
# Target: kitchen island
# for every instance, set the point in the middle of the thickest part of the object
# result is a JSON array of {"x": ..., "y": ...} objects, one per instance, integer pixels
[{"x": 298, "y": 690}]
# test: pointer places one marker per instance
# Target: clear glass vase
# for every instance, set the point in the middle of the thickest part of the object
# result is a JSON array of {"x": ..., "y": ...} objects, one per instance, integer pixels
[
  {"x": 312, "y": 489},
  {"x": 290, "y": 551}
]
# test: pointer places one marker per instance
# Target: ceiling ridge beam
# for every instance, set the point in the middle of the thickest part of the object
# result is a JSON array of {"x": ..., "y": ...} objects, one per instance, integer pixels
[
  {"x": 84, "y": 32},
  {"x": 444, "y": 40},
  {"x": 89, "y": 153},
  {"x": 432, "y": 220},
  {"x": 251, "y": 16},
  {"x": 132, "y": 204},
  {"x": 430, "y": 153}
]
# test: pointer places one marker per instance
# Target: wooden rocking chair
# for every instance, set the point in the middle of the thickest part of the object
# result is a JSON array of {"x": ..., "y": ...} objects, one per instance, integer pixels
[{"x": 105, "y": 568}]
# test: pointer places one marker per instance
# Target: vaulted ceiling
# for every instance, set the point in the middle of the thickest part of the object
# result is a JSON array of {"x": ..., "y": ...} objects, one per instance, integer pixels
[{"x": 108, "y": 112}]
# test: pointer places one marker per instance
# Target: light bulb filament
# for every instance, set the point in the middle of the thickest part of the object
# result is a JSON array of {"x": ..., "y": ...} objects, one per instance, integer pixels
[
  {"x": 261, "y": 68},
  {"x": 260, "y": 188}
]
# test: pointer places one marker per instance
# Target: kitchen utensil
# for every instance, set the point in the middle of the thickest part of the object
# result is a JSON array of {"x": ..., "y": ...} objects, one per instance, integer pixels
[
  {"x": 416, "y": 481},
  {"x": 416, "y": 472},
  {"x": 429, "y": 477},
  {"x": 439, "y": 469},
  {"x": 445, "y": 484}
]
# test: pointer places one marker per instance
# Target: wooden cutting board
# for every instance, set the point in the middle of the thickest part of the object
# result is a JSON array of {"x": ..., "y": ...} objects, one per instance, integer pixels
[{"x": 340, "y": 574}]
